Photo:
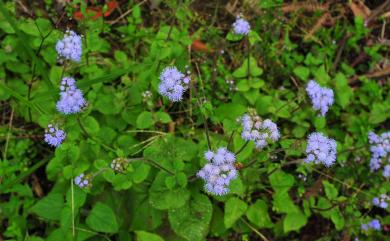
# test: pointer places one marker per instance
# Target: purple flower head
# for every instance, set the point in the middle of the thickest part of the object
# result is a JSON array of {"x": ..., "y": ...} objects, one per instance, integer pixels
[
  {"x": 241, "y": 26},
  {"x": 54, "y": 136},
  {"x": 219, "y": 171},
  {"x": 173, "y": 84},
  {"x": 321, "y": 98},
  {"x": 381, "y": 201},
  {"x": 69, "y": 47},
  {"x": 380, "y": 152},
  {"x": 71, "y": 98},
  {"x": 375, "y": 224},
  {"x": 321, "y": 149},
  {"x": 83, "y": 181},
  {"x": 261, "y": 132}
]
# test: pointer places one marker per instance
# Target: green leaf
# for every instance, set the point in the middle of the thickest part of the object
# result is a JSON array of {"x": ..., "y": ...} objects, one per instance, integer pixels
[
  {"x": 294, "y": 221},
  {"x": 163, "y": 117},
  {"x": 192, "y": 220},
  {"x": 330, "y": 190},
  {"x": 146, "y": 236},
  {"x": 233, "y": 37},
  {"x": 343, "y": 91},
  {"x": 282, "y": 202},
  {"x": 107, "y": 105},
  {"x": 141, "y": 172},
  {"x": 281, "y": 181},
  {"x": 379, "y": 113},
  {"x": 49, "y": 207},
  {"x": 162, "y": 198},
  {"x": 253, "y": 37},
  {"x": 257, "y": 213},
  {"x": 253, "y": 69},
  {"x": 302, "y": 72},
  {"x": 145, "y": 120},
  {"x": 102, "y": 219},
  {"x": 79, "y": 197},
  {"x": 91, "y": 125},
  {"x": 234, "y": 209},
  {"x": 229, "y": 111},
  {"x": 338, "y": 219}
]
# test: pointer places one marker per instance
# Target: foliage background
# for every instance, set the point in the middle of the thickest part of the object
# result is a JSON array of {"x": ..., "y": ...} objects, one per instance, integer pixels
[{"x": 340, "y": 44}]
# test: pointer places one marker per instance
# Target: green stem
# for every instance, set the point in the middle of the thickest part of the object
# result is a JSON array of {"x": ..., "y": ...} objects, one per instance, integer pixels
[{"x": 242, "y": 148}]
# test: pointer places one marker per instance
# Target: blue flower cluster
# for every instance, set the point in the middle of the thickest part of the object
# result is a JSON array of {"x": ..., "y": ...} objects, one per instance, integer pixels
[
  {"x": 321, "y": 149},
  {"x": 260, "y": 131},
  {"x": 83, "y": 181},
  {"x": 173, "y": 84},
  {"x": 69, "y": 47},
  {"x": 71, "y": 98},
  {"x": 218, "y": 171},
  {"x": 381, "y": 201},
  {"x": 373, "y": 224},
  {"x": 380, "y": 152},
  {"x": 321, "y": 98},
  {"x": 241, "y": 26},
  {"x": 54, "y": 136}
]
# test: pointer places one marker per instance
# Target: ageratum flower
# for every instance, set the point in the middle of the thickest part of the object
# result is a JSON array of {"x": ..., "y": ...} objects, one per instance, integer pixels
[
  {"x": 261, "y": 132},
  {"x": 54, "y": 136},
  {"x": 83, "y": 181},
  {"x": 69, "y": 47},
  {"x": 241, "y": 26},
  {"x": 380, "y": 152},
  {"x": 375, "y": 224},
  {"x": 120, "y": 164},
  {"x": 218, "y": 171},
  {"x": 173, "y": 84},
  {"x": 321, "y": 149},
  {"x": 71, "y": 99},
  {"x": 381, "y": 201},
  {"x": 321, "y": 98}
]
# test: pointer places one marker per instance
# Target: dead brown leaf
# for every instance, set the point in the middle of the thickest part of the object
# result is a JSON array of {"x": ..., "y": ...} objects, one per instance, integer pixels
[{"x": 360, "y": 10}]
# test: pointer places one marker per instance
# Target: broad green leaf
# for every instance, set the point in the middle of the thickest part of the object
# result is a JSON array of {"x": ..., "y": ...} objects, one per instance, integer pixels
[
  {"x": 234, "y": 209},
  {"x": 343, "y": 91},
  {"x": 302, "y": 72},
  {"x": 102, "y": 219},
  {"x": 294, "y": 221},
  {"x": 146, "y": 236},
  {"x": 330, "y": 190},
  {"x": 192, "y": 220},
  {"x": 91, "y": 125},
  {"x": 257, "y": 213},
  {"x": 281, "y": 181},
  {"x": 145, "y": 120},
  {"x": 379, "y": 113},
  {"x": 162, "y": 198},
  {"x": 338, "y": 219},
  {"x": 282, "y": 202},
  {"x": 49, "y": 207},
  {"x": 163, "y": 117},
  {"x": 107, "y": 105},
  {"x": 246, "y": 71}
]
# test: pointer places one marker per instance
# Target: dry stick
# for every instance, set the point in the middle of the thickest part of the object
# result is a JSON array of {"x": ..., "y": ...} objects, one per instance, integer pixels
[
  {"x": 377, "y": 12},
  {"x": 206, "y": 128},
  {"x": 341, "y": 182},
  {"x": 254, "y": 230},
  {"x": 230, "y": 139},
  {"x": 126, "y": 13},
  {"x": 340, "y": 51}
]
